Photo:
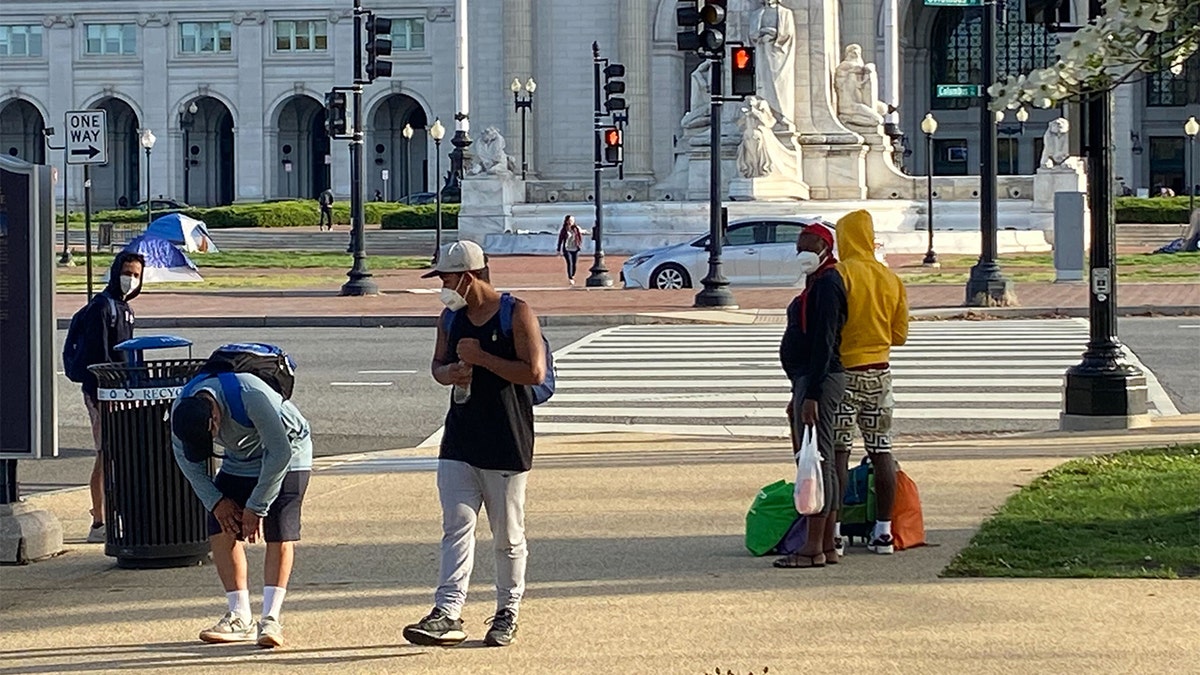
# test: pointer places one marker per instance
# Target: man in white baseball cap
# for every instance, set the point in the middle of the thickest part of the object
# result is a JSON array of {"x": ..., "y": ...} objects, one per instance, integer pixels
[{"x": 489, "y": 349}]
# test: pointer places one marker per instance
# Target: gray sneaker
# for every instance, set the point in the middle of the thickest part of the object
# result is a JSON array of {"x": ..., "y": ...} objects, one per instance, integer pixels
[
  {"x": 97, "y": 534},
  {"x": 231, "y": 628},
  {"x": 270, "y": 632}
]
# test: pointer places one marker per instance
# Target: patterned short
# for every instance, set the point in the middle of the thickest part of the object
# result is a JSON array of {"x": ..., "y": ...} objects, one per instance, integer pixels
[{"x": 867, "y": 404}]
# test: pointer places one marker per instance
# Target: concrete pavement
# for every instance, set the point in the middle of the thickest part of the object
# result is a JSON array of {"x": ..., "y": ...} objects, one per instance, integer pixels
[{"x": 636, "y": 565}]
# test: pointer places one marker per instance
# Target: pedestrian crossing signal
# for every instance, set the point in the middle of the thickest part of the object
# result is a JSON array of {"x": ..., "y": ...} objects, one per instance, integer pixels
[
  {"x": 742, "y": 80},
  {"x": 611, "y": 141}
]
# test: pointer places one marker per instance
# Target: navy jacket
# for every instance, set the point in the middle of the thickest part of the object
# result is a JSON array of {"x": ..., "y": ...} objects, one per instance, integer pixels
[{"x": 108, "y": 322}]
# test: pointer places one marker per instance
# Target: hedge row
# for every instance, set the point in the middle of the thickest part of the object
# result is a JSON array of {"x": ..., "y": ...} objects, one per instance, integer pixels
[
  {"x": 1152, "y": 210},
  {"x": 297, "y": 213},
  {"x": 421, "y": 217}
]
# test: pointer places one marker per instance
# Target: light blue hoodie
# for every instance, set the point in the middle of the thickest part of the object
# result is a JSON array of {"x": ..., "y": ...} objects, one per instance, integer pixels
[{"x": 280, "y": 441}]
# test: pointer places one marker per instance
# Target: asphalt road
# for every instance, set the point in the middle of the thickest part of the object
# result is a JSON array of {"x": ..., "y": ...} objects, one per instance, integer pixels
[
  {"x": 355, "y": 406},
  {"x": 351, "y": 409},
  {"x": 1170, "y": 348}
]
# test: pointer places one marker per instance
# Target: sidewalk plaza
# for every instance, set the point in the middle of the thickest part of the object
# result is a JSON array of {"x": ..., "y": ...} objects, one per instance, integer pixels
[
  {"x": 540, "y": 281},
  {"x": 637, "y": 565}
]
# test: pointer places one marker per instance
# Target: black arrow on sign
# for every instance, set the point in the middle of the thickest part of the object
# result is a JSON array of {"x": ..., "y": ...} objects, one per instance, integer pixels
[{"x": 91, "y": 151}]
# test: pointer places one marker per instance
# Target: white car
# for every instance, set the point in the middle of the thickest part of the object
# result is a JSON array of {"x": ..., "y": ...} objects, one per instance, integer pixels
[{"x": 755, "y": 252}]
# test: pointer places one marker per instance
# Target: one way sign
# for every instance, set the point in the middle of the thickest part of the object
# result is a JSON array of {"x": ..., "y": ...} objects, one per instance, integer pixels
[{"x": 87, "y": 137}]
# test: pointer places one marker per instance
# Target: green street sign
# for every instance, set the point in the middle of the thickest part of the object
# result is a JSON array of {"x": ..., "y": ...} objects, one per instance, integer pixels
[
  {"x": 953, "y": 3},
  {"x": 959, "y": 91}
]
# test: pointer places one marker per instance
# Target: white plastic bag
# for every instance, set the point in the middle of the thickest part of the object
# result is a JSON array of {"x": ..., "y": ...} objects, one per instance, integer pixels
[{"x": 810, "y": 488}]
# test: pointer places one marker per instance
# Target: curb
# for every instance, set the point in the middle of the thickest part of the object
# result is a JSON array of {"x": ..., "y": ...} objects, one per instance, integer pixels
[{"x": 606, "y": 320}]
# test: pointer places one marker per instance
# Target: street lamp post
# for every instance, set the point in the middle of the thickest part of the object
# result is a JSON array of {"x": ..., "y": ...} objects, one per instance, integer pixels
[
  {"x": 929, "y": 127},
  {"x": 408, "y": 134},
  {"x": 1102, "y": 391},
  {"x": 522, "y": 105},
  {"x": 187, "y": 118},
  {"x": 1191, "y": 128},
  {"x": 147, "y": 140},
  {"x": 65, "y": 259},
  {"x": 437, "y": 132}
]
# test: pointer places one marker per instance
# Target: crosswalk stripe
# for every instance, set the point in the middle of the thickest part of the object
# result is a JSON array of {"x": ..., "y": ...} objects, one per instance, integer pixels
[
  {"x": 998, "y": 368},
  {"x": 783, "y": 397},
  {"x": 781, "y": 382},
  {"x": 777, "y": 413}
]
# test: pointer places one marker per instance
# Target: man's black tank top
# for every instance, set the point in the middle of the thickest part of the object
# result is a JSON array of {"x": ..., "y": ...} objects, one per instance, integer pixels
[{"x": 494, "y": 428}]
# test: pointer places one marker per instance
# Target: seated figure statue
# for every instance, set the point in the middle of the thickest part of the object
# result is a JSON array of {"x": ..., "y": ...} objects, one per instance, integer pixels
[
  {"x": 1056, "y": 144},
  {"x": 857, "y": 86},
  {"x": 490, "y": 157}
]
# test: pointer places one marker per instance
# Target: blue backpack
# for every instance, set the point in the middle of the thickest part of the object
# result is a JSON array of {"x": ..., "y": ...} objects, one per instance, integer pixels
[
  {"x": 541, "y": 392},
  {"x": 266, "y": 362}
]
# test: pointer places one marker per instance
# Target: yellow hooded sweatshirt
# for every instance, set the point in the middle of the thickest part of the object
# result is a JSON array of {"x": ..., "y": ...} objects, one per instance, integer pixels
[{"x": 877, "y": 304}]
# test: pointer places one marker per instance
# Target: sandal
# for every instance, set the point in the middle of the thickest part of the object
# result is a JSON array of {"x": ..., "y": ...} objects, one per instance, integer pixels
[{"x": 796, "y": 561}]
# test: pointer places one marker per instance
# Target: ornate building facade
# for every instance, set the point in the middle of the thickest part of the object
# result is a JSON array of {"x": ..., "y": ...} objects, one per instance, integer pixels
[{"x": 235, "y": 95}]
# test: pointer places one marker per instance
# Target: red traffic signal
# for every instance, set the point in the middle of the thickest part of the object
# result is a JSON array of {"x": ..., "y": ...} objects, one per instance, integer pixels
[
  {"x": 610, "y": 139},
  {"x": 742, "y": 80}
]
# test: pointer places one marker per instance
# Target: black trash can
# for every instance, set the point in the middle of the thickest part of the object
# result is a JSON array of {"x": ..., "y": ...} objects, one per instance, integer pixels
[{"x": 153, "y": 516}]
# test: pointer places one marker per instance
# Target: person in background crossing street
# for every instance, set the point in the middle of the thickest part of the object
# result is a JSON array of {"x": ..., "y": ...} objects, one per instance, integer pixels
[
  {"x": 104, "y": 323},
  {"x": 487, "y": 444},
  {"x": 876, "y": 322},
  {"x": 570, "y": 240},
  {"x": 809, "y": 355}
]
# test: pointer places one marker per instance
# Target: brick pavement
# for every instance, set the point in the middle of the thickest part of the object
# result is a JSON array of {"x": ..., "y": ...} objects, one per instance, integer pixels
[{"x": 541, "y": 281}]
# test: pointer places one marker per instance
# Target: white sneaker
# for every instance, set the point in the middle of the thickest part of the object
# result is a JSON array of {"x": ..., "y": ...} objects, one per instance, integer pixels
[
  {"x": 97, "y": 534},
  {"x": 839, "y": 546},
  {"x": 572, "y": 282},
  {"x": 270, "y": 632},
  {"x": 231, "y": 628},
  {"x": 882, "y": 545}
]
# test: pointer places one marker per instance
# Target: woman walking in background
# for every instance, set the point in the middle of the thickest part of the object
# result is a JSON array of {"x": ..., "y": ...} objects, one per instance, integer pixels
[{"x": 570, "y": 240}]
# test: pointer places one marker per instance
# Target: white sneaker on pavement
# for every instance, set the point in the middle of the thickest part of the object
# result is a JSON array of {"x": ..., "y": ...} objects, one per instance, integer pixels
[
  {"x": 97, "y": 534},
  {"x": 231, "y": 628},
  {"x": 270, "y": 632}
]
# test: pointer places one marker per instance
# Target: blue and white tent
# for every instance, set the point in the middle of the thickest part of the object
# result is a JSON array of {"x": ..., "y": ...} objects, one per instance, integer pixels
[
  {"x": 164, "y": 262},
  {"x": 183, "y": 231}
]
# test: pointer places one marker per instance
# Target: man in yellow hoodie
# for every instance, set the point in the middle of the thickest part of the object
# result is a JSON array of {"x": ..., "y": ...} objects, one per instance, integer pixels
[{"x": 877, "y": 320}]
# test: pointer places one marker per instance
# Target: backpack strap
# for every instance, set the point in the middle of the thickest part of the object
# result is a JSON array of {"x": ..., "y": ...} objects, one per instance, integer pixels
[
  {"x": 448, "y": 320},
  {"x": 232, "y": 390},
  {"x": 506, "y": 312}
]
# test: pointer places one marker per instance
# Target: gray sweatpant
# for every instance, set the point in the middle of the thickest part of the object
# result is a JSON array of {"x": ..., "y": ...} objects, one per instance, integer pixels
[{"x": 463, "y": 489}]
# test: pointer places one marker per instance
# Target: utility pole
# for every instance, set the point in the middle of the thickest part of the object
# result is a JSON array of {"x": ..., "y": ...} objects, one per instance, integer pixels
[
  {"x": 379, "y": 30},
  {"x": 608, "y": 141},
  {"x": 987, "y": 285}
]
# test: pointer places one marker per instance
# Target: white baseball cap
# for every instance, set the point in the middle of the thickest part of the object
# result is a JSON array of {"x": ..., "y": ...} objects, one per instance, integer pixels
[{"x": 457, "y": 257}]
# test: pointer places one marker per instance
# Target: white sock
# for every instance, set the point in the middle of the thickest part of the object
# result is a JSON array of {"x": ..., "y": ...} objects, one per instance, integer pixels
[
  {"x": 273, "y": 601},
  {"x": 883, "y": 527},
  {"x": 837, "y": 530},
  {"x": 239, "y": 603}
]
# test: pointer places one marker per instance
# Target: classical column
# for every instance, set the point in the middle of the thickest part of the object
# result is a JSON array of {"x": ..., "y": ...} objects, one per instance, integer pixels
[
  {"x": 255, "y": 156},
  {"x": 888, "y": 58},
  {"x": 462, "y": 101},
  {"x": 633, "y": 49},
  {"x": 155, "y": 116},
  {"x": 61, "y": 98},
  {"x": 1124, "y": 112},
  {"x": 518, "y": 63}
]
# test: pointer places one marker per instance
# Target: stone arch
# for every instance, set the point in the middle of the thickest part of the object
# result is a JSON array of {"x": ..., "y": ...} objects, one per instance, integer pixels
[
  {"x": 118, "y": 183},
  {"x": 301, "y": 155},
  {"x": 208, "y": 148},
  {"x": 21, "y": 130},
  {"x": 407, "y": 162}
]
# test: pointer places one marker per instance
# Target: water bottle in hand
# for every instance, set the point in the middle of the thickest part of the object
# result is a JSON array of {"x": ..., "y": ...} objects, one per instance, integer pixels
[{"x": 462, "y": 392}]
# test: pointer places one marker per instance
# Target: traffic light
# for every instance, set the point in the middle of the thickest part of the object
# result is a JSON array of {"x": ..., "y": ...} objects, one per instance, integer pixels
[
  {"x": 379, "y": 44},
  {"x": 741, "y": 68},
  {"x": 612, "y": 142},
  {"x": 687, "y": 17},
  {"x": 712, "y": 38},
  {"x": 337, "y": 117},
  {"x": 613, "y": 85}
]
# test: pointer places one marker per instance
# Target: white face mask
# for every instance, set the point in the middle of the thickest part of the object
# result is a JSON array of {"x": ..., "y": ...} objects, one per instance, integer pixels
[
  {"x": 129, "y": 284},
  {"x": 453, "y": 300},
  {"x": 808, "y": 262}
]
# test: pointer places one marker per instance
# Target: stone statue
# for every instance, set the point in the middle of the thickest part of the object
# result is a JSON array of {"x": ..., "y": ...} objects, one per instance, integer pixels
[
  {"x": 754, "y": 152},
  {"x": 773, "y": 32},
  {"x": 489, "y": 155},
  {"x": 1056, "y": 145},
  {"x": 857, "y": 87},
  {"x": 698, "y": 116}
]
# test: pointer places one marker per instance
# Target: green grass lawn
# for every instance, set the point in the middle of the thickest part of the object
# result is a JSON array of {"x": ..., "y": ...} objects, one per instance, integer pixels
[
  {"x": 1027, "y": 267},
  {"x": 1132, "y": 514},
  {"x": 279, "y": 260}
]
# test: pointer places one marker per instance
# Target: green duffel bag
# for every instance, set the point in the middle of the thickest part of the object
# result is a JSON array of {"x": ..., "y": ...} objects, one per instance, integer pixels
[{"x": 770, "y": 517}]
